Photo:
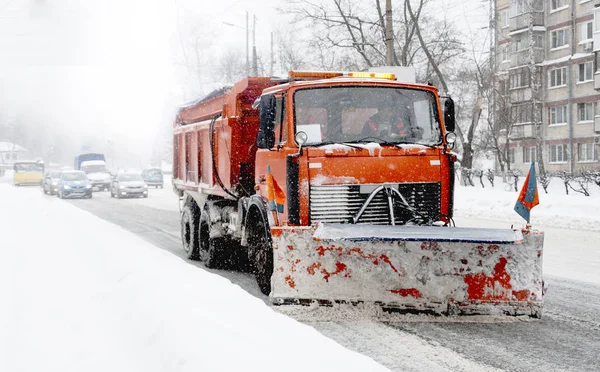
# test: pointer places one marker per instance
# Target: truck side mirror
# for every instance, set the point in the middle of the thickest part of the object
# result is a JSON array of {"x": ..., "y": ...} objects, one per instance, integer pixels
[
  {"x": 449, "y": 115},
  {"x": 266, "y": 136}
]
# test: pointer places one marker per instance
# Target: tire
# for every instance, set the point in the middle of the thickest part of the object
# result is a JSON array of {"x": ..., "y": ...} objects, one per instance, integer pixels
[
  {"x": 211, "y": 250},
  {"x": 190, "y": 220},
  {"x": 262, "y": 256}
]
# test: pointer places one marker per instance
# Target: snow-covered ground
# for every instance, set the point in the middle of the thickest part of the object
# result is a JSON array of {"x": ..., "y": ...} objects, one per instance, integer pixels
[
  {"x": 81, "y": 294},
  {"x": 556, "y": 209}
]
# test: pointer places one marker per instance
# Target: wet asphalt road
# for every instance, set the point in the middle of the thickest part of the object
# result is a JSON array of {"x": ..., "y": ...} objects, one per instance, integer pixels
[{"x": 567, "y": 338}]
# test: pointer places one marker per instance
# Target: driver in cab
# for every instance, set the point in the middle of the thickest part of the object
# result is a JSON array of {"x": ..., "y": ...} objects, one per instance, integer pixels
[{"x": 391, "y": 120}]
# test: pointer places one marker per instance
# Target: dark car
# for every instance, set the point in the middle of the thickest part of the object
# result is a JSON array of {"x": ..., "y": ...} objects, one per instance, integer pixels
[
  {"x": 153, "y": 177},
  {"x": 128, "y": 184},
  {"x": 74, "y": 184},
  {"x": 50, "y": 182}
]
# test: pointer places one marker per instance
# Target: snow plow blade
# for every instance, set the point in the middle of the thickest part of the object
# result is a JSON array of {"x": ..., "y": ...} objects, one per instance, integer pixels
[{"x": 442, "y": 270}]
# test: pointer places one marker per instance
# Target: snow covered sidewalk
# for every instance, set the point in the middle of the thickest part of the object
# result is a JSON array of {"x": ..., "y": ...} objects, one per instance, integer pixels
[{"x": 81, "y": 294}]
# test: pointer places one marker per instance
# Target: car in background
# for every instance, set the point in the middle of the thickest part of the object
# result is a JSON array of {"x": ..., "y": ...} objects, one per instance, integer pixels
[
  {"x": 28, "y": 173},
  {"x": 153, "y": 177},
  {"x": 50, "y": 182},
  {"x": 128, "y": 184},
  {"x": 74, "y": 184}
]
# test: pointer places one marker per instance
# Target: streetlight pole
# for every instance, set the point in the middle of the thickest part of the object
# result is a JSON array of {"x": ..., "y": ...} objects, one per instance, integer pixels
[
  {"x": 247, "y": 43},
  {"x": 247, "y": 54},
  {"x": 254, "y": 58}
]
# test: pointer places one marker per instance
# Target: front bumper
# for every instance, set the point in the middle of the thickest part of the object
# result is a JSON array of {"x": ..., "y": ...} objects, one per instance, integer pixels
[
  {"x": 132, "y": 192},
  {"x": 101, "y": 184},
  {"x": 77, "y": 193}
]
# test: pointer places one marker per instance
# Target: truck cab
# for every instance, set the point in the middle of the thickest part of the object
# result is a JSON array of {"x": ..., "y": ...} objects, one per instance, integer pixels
[{"x": 331, "y": 143}]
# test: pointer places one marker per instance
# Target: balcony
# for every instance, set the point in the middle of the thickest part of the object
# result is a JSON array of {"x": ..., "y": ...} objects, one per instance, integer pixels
[
  {"x": 522, "y": 131},
  {"x": 522, "y": 21},
  {"x": 522, "y": 58},
  {"x": 521, "y": 94}
]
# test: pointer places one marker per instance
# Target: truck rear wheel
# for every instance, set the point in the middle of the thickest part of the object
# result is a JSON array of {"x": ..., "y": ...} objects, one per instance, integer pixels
[
  {"x": 262, "y": 259},
  {"x": 211, "y": 251},
  {"x": 189, "y": 231}
]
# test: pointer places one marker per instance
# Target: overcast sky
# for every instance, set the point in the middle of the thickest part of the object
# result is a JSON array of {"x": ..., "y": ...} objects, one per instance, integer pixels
[{"x": 109, "y": 68}]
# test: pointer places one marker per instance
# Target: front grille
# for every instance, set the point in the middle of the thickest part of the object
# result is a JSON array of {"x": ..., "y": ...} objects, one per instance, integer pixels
[{"x": 340, "y": 203}]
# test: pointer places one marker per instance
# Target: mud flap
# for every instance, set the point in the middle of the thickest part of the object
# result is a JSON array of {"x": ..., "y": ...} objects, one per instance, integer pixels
[{"x": 434, "y": 269}]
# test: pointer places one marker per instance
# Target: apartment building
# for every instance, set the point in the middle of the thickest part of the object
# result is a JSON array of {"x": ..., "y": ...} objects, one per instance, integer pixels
[{"x": 548, "y": 72}]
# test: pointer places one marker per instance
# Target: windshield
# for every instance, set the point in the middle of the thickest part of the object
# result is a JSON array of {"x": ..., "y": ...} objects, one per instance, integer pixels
[
  {"x": 94, "y": 168},
  {"x": 129, "y": 177},
  {"x": 73, "y": 176},
  {"x": 367, "y": 114},
  {"x": 153, "y": 173},
  {"x": 29, "y": 168}
]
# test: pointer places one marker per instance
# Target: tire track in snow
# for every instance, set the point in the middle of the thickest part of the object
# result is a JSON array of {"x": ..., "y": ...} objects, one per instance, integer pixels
[{"x": 397, "y": 349}]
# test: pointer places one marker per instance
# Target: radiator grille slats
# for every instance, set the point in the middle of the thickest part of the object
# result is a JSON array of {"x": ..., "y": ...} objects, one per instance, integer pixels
[{"x": 340, "y": 203}]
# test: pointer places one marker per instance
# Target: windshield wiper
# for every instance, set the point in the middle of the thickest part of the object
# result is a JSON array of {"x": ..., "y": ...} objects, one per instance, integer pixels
[
  {"x": 371, "y": 138},
  {"x": 336, "y": 143},
  {"x": 416, "y": 143}
]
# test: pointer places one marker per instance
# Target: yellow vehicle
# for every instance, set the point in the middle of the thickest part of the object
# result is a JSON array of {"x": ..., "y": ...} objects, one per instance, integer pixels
[{"x": 28, "y": 173}]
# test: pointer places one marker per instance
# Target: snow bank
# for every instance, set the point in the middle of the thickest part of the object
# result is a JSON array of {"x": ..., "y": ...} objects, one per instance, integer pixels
[
  {"x": 573, "y": 211},
  {"x": 84, "y": 295}
]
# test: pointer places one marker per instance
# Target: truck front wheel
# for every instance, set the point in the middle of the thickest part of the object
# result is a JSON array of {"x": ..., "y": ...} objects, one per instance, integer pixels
[
  {"x": 189, "y": 231},
  {"x": 262, "y": 255}
]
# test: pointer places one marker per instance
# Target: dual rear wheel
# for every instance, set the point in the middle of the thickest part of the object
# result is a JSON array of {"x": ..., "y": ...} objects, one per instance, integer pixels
[{"x": 220, "y": 252}]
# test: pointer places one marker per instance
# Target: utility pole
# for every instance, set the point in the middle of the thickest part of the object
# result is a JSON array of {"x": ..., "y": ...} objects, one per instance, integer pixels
[
  {"x": 389, "y": 34},
  {"x": 247, "y": 43},
  {"x": 254, "y": 58},
  {"x": 272, "y": 56}
]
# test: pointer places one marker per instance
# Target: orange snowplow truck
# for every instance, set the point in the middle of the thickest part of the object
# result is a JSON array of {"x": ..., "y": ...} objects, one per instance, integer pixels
[{"x": 338, "y": 187}]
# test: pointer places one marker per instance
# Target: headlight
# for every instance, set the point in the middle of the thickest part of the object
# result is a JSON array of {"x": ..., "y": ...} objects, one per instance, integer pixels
[
  {"x": 121, "y": 186},
  {"x": 54, "y": 183},
  {"x": 66, "y": 187},
  {"x": 88, "y": 186},
  {"x": 145, "y": 186}
]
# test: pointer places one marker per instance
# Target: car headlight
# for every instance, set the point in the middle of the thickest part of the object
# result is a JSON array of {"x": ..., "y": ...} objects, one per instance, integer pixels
[
  {"x": 145, "y": 186},
  {"x": 88, "y": 186},
  {"x": 122, "y": 186},
  {"x": 66, "y": 187},
  {"x": 54, "y": 183}
]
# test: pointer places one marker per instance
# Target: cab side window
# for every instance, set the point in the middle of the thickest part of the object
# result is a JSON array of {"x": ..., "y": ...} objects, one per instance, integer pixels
[{"x": 280, "y": 121}]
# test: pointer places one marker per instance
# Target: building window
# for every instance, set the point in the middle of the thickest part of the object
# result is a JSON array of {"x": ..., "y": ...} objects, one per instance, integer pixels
[
  {"x": 560, "y": 38},
  {"x": 558, "y": 115},
  {"x": 504, "y": 56},
  {"x": 557, "y": 77},
  {"x": 517, "y": 43},
  {"x": 511, "y": 155},
  {"x": 529, "y": 154},
  {"x": 587, "y": 152},
  {"x": 517, "y": 7},
  {"x": 504, "y": 17},
  {"x": 586, "y": 111},
  {"x": 538, "y": 41},
  {"x": 586, "y": 71},
  {"x": 556, "y": 4},
  {"x": 519, "y": 78},
  {"x": 587, "y": 31},
  {"x": 558, "y": 153}
]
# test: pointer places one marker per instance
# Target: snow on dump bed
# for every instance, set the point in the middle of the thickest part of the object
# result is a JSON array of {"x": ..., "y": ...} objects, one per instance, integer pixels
[{"x": 81, "y": 294}]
